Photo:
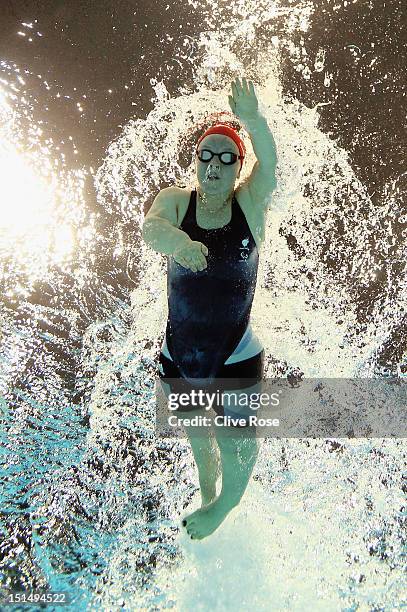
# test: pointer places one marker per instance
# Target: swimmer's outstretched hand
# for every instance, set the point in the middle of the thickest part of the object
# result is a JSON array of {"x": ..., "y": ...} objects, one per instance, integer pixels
[
  {"x": 243, "y": 101},
  {"x": 192, "y": 256}
]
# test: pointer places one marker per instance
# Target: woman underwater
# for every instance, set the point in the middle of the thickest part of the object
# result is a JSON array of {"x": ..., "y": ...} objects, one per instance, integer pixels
[{"x": 212, "y": 237}]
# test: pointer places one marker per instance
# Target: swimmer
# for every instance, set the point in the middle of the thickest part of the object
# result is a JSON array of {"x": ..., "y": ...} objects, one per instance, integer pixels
[{"x": 211, "y": 236}]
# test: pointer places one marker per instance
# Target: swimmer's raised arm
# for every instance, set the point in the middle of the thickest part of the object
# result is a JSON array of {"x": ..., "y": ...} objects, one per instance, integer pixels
[
  {"x": 262, "y": 180},
  {"x": 161, "y": 233}
]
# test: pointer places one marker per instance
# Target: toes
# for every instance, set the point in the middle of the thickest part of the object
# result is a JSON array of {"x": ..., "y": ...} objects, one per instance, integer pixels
[
  {"x": 191, "y": 520},
  {"x": 191, "y": 531},
  {"x": 186, "y": 521}
]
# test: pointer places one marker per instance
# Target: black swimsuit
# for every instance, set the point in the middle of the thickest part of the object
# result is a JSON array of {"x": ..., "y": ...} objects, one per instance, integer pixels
[{"x": 209, "y": 311}]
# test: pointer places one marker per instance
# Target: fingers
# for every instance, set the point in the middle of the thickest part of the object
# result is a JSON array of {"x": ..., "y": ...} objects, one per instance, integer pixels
[
  {"x": 231, "y": 103},
  {"x": 238, "y": 87},
  {"x": 201, "y": 266},
  {"x": 196, "y": 265},
  {"x": 192, "y": 265},
  {"x": 182, "y": 262},
  {"x": 242, "y": 87},
  {"x": 203, "y": 263},
  {"x": 193, "y": 257},
  {"x": 245, "y": 86}
]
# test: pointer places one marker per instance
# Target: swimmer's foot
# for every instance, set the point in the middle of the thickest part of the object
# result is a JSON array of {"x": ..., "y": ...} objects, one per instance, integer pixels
[{"x": 206, "y": 520}]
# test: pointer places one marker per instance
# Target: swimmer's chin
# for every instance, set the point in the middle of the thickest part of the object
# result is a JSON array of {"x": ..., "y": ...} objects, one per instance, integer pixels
[
  {"x": 215, "y": 185},
  {"x": 208, "y": 181}
]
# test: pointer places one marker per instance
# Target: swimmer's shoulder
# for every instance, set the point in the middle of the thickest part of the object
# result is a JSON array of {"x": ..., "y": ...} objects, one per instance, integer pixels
[
  {"x": 170, "y": 203},
  {"x": 180, "y": 197}
]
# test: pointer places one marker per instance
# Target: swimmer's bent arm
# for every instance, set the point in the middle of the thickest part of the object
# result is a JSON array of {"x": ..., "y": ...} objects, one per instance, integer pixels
[
  {"x": 161, "y": 234},
  {"x": 159, "y": 228},
  {"x": 163, "y": 237}
]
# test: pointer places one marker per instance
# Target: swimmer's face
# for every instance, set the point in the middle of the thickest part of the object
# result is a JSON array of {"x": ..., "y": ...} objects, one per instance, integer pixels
[{"x": 217, "y": 143}]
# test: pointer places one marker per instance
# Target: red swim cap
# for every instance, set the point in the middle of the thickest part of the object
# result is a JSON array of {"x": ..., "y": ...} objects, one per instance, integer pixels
[{"x": 226, "y": 130}]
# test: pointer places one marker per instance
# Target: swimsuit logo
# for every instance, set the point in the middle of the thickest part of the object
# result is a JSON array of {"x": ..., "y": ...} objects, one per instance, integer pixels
[{"x": 244, "y": 249}]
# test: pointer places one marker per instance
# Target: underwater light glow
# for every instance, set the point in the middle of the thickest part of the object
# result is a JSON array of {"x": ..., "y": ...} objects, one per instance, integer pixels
[{"x": 28, "y": 204}]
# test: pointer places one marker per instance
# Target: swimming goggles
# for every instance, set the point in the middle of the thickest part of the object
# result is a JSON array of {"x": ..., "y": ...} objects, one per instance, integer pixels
[{"x": 226, "y": 157}]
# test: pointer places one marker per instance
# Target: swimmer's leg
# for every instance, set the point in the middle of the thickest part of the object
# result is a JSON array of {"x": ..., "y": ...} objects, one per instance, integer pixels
[
  {"x": 239, "y": 450},
  {"x": 204, "y": 448},
  {"x": 206, "y": 455}
]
